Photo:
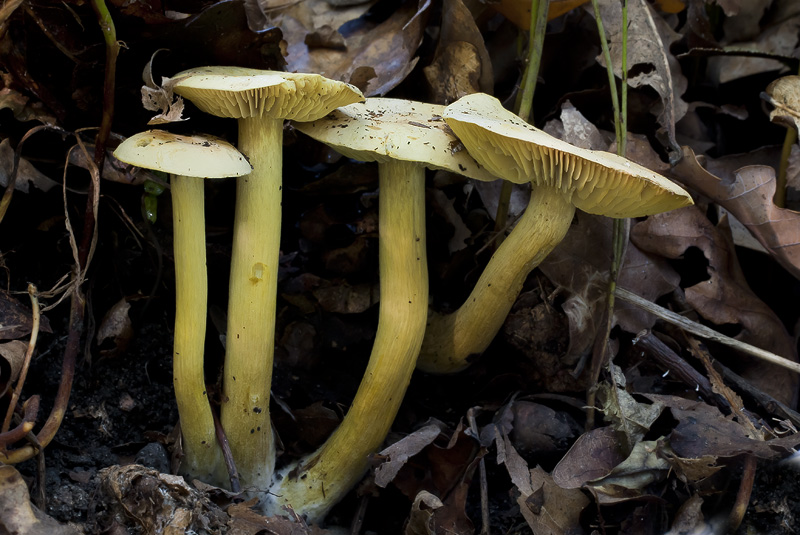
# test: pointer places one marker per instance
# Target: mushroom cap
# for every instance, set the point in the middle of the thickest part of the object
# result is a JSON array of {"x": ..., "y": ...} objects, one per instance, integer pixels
[
  {"x": 383, "y": 129},
  {"x": 240, "y": 92},
  {"x": 595, "y": 181},
  {"x": 195, "y": 156}
]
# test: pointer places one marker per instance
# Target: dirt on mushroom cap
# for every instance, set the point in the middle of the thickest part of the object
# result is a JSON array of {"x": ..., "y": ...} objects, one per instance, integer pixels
[{"x": 239, "y": 92}]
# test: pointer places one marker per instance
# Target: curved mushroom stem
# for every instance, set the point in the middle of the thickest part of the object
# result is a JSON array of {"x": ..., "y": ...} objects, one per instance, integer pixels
[
  {"x": 451, "y": 339},
  {"x": 314, "y": 484},
  {"x": 202, "y": 456},
  {"x": 251, "y": 304}
]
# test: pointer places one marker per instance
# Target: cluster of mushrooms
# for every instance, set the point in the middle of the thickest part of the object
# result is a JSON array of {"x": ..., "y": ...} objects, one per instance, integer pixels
[{"x": 404, "y": 138}]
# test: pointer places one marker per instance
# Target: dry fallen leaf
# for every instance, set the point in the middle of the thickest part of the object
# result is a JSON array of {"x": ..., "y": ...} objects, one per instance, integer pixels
[
  {"x": 26, "y": 173},
  {"x": 387, "y": 48},
  {"x": 649, "y": 39},
  {"x": 160, "y": 98},
  {"x": 591, "y": 457},
  {"x": 747, "y": 194},
  {"x": 116, "y": 326},
  {"x": 18, "y": 515},
  {"x": 461, "y": 63},
  {"x": 785, "y": 96},
  {"x": 725, "y": 298}
]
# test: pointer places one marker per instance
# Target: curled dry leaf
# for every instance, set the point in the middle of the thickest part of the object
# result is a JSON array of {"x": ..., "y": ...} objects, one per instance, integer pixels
[
  {"x": 725, "y": 298},
  {"x": 747, "y": 194},
  {"x": 461, "y": 63},
  {"x": 591, "y": 457},
  {"x": 154, "y": 502},
  {"x": 13, "y": 356},
  {"x": 401, "y": 451},
  {"x": 116, "y": 326},
  {"x": 703, "y": 431},
  {"x": 384, "y": 52},
  {"x": 784, "y": 94},
  {"x": 27, "y": 174},
  {"x": 629, "y": 479},
  {"x": 15, "y": 318},
  {"x": 160, "y": 98},
  {"x": 628, "y": 416},
  {"x": 17, "y": 514}
]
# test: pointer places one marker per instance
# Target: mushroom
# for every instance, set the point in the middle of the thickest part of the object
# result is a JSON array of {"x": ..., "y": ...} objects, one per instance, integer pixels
[
  {"x": 563, "y": 177},
  {"x": 188, "y": 158},
  {"x": 260, "y": 100},
  {"x": 404, "y": 137}
]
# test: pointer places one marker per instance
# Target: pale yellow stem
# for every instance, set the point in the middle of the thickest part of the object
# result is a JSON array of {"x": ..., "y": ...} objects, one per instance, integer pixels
[
  {"x": 316, "y": 483},
  {"x": 451, "y": 340},
  {"x": 251, "y": 304},
  {"x": 202, "y": 455}
]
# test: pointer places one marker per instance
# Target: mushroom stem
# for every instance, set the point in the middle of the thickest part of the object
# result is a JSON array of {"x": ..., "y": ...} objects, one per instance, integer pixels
[
  {"x": 202, "y": 456},
  {"x": 251, "y": 304},
  {"x": 451, "y": 339},
  {"x": 314, "y": 484}
]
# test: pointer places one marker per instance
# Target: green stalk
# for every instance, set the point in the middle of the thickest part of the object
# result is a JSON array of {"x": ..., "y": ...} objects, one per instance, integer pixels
[
  {"x": 202, "y": 456},
  {"x": 524, "y": 103},
  {"x": 313, "y": 485},
  {"x": 251, "y": 304}
]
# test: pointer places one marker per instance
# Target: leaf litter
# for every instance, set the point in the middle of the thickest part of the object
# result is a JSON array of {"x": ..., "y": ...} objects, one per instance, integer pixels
[{"x": 664, "y": 451}]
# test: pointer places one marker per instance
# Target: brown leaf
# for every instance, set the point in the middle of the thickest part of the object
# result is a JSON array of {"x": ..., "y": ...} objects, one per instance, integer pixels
[
  {"x": 116, "y": 326},
  {"x": 13, "y": 356},
  {"x": 580, "y": 264},
  {"x": 649, "y": 39},
  {"x": 16, "y": 319},
  {"x": 552, "y": 510},
  {"x": 630, "y": 478},
  {"x": 725, "y": 297},
  {"x": 591, "y": 457},
  {"x": 785, "y": 96},
  {"x": 342, "y": 298},
  {"x": 747, "y": 194},
  {"x": 623, "y": 412},
  {"x": 703, "y": 431},
  {"x": 154, "y": 502},
  {"x": 26, "y": 173},
  {"x": 420, "y": 520},
  {"x": 401, "y": 451},
  {"x": 18, "y": 515},
  {"x": 244, "y": 520},
  {"x": 387, "y": 48},
  {"x": 161, "y": 98},
  {"x": 461, "y": 63}
]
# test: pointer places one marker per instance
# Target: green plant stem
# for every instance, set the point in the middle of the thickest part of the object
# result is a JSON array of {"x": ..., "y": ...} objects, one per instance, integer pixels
[
  {"x": 524, "y": 102},
  {"x": 780, "y": 186},
  {"x": 621, "y": 227}
]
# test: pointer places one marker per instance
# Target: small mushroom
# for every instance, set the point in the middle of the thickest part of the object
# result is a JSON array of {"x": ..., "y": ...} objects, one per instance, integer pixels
[
  {"x": 260, "y": 100},
  {"x": 404, "y": 137},
  {"x": 563, "y": 177},
  {"x": 188, "y": 158}
]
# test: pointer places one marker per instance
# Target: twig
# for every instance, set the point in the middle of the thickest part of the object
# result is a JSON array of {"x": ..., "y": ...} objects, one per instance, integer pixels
[
  {"x": 227, "y": 455},
  {"x": 485, "y": 527},
  {"x": 28, "y": 355},
  {"x": 703, "y": 331}
]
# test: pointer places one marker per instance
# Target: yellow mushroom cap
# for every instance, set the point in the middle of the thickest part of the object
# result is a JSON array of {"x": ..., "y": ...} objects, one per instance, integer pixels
[
  {"x": 383, "y": 129},
  {"x": 194, "y": 156},
  {"x": 240, "y": 92},
  {"x": 596, "y": 182}
]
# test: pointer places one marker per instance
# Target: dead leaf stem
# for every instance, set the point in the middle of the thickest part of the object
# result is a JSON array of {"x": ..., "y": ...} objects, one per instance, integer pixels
[{"x": 705, "y": 332}]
